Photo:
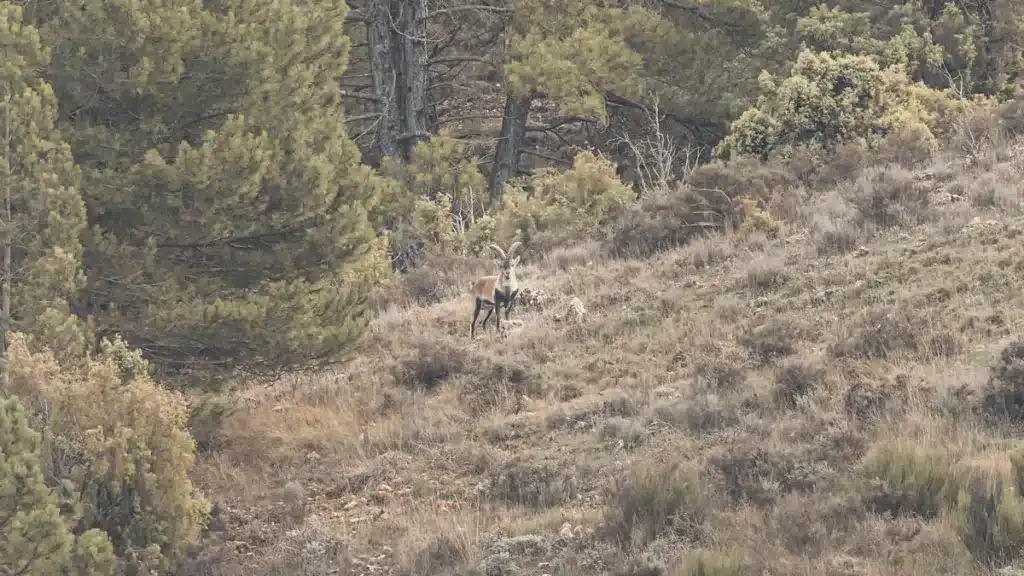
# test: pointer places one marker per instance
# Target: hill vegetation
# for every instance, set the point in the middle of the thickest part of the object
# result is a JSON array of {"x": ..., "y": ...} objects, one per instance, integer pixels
[{"x": 769, "y": 320}]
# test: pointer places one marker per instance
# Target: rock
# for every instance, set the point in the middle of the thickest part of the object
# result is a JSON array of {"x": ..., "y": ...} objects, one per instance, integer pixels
[
  {"x": 574, "y": 311},
  {"x": 666, "y": 392},
  {"x": 292, "y": 493},
  {"x": 532, "y": 298},
  {"x": 500, "y": 564}
]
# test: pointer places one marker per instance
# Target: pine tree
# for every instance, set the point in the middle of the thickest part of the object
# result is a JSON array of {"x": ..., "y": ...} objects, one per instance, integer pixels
[
  {"x": 41, "y": 212},
  {"x": 33, "y": 537},
  {"x": 228, "y": 207},
  {"x": 572, "y": 52}
]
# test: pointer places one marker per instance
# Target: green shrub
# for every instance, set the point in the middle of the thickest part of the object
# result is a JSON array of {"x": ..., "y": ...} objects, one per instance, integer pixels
[
  {"x": 435, "y": 203},
  {"x": 829, "y": 98},
  {"x": 990, "y": 521},
  {"x": 34, "y": 539},
  {"x": 563, "y": 206},
  {"x": 1003, "y": 397},
  {"x": 904, "y": 479},
  {"x": 120, "y": 446},
  {"x": 205, "y": 420}
]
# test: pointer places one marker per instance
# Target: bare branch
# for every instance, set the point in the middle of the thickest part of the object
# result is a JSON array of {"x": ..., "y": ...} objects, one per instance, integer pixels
[
  {"x": 359, "y": 96},
  {"x": 478, "y": 8},
  {"x": 451, "y": 119},
  {"x": 547, "y": 157},
  {"x": 656, "y": 155},
  {"x": 456, "y": 60},
  {"x": 371, "y": 116},
  {"x": 558, "y": 123}
]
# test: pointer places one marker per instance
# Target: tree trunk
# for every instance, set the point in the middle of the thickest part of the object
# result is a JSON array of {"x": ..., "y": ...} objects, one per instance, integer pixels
[
  {"x": 5, "y": 294},
  {"x": 510, "y": 145},
  {"x": 6, "y": 234},
  {"x": 378, "y": 34},
  {"x": 396, "y": 33}
]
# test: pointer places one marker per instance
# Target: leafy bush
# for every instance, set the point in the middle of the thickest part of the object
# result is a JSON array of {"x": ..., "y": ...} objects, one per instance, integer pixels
[
  {"x": 438, "y": 278},
  {"x": 743, "y": 177},
  {"x": 758, "y": 220},
  {"x": 205, "y": 420},
  {"x": 908, "y": 146},
  {"x": 905, "y": 479},
  {"x": 119, "y": 447},
  {"x": 990, "y": 520},
  {"x": 563, "y": 206},
  {"x": 34, "y": 539},
  {"x": 1003, "y": 396},
  {"x": 673, "y": 218},
  {"x": 436, "y": 203},
  {"x": 829, "y": 98}
]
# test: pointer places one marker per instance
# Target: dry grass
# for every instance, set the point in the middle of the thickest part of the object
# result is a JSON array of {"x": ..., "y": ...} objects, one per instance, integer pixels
[{"x": 834, "y": 400}]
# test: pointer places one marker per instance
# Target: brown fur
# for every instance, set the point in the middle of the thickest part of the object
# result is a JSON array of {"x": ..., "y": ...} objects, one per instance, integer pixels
[
  {"x": 739, "y": 213},
  {"x": 491, "y": 290}
]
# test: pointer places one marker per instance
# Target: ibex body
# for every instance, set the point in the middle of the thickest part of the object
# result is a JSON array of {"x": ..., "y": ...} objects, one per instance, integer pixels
[{"x": 499, "y": 290}]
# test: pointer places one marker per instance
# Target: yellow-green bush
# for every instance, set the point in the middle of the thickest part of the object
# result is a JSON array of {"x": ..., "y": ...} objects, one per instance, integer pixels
[
  {"x": 758, "y": 219},
  {"x": 435, "y": 202},
  {"x": 564, "y": 205},
  {"x": 830, "y": 98},
  {"x": 905, "y": 479},
  {"x": 34, "y": 539},
  {"x": 118, "y": 444},
  {"x": 990, "y": 514},
  {"x": 990, "y": 520}
]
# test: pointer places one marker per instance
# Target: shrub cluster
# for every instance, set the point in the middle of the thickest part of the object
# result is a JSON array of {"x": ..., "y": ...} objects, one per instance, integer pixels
[{"x": 109, "y": 456}]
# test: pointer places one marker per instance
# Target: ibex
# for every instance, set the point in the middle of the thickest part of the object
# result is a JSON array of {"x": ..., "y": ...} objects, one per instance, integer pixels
[
  {"x": 739, "y": 213},
  {"x": 498, "y": 290}
]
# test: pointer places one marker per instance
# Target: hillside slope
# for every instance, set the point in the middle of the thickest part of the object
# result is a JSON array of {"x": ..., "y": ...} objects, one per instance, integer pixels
[{"x": 801, "y": 404}]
